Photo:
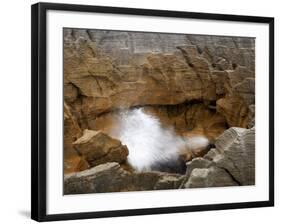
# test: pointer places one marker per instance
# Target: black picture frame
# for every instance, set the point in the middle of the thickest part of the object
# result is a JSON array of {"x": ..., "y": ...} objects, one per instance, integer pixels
[{"x": 39, "y": 122}]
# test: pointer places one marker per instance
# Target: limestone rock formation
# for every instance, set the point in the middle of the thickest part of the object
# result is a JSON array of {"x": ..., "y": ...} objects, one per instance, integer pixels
[
  {"x": 197, "y": 163},
  {"x": 211, "y": 177},
  {"x": 97, "y": 148},
  {"x": 235, "y": 111},
  {"x": 105, "y": 71},
  {"x": 110, "y": 177},
  {"x": 237, "y": 147},
  {"x": 231, "y": 163},
  {"x": 73, "y": 162},
  {"x": 194, "y": 84}
]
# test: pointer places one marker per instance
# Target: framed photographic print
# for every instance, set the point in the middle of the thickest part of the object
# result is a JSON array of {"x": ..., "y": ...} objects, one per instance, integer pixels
[{"x": 140, "y": 111}]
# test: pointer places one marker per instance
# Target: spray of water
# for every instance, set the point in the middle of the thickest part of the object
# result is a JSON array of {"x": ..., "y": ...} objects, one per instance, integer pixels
[{"x": 148, "y": 142}]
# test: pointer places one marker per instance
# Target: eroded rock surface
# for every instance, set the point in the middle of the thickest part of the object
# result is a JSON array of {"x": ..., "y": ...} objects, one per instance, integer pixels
[
  {"x": 73, "y": 162},
  {"x": 238, "y": 154},
  {"x": 231, "y": 163},
  {"x": 211, "y": 177},
  {"x": 197, "y": 85},
  {"x": 104, "y": 71},
  {"x": 110, "y": 177},
  {"x": 97, "y": 148}
]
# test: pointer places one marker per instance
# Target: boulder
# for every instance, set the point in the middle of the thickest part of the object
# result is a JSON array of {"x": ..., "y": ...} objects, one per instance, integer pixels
[
  {"x": 196, "y": 163},
  {"x": 97, "y": 148},
  {"x": 231, "y": 163},
  {"x": 237, "y": 147},
  {"x": 213, "y": 152},
  {"x": 110, "y": 177},
  {"x": 209, "y": 177}
]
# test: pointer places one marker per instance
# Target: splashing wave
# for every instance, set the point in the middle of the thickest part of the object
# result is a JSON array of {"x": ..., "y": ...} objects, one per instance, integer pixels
[{"x": 148, "y": 142}]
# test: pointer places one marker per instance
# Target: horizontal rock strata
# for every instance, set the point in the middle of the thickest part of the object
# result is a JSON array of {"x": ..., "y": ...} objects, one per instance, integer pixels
[
  {"x": 195, "y": 84},
  {"x": 110, "y": 177}
]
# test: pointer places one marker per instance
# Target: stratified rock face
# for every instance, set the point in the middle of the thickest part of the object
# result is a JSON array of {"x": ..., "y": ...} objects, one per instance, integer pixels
[
  {"x": 235, "y": 111},
  {"x": 108, "y": 70},
  {"x": 238, "y": 154},
  {"x": 196, "y": 85},
  {"x": 231, "y": 163},
  {"x": 97, "y": 148},
  {"x": 211, "y": 177},
  {"x": 73, "y": 162},
  {"x": 110, "y": 177}
]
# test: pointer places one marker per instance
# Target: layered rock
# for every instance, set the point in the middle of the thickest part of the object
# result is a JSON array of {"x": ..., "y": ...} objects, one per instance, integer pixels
[
  {"x": 234, "y": 110},
  {"x": 98, "y": 148},
  {"x": 73, "y": 162},
  {"x": 197, "y": 85},
  {"x": 211, "y": 177},
  {"x": 231, "y": 163},
  {"x": 238, "y": 154},
  {"x": 105, "y": 71},
  {"x": 110, "y": 177}
]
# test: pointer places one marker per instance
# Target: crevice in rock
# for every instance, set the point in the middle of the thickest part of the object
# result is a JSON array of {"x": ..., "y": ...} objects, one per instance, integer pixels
[{"x": 232, "y": 177}]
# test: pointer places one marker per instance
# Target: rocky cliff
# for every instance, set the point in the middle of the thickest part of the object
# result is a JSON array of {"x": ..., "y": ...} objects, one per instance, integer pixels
[{"x": 198, "y": 85}]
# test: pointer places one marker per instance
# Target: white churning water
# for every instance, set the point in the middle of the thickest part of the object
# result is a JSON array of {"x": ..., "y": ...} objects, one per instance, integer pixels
[{"x": 148, "y": 142}]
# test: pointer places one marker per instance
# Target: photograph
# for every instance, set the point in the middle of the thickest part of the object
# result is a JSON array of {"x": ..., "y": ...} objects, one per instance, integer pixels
[{"x": 151, "y": 111}]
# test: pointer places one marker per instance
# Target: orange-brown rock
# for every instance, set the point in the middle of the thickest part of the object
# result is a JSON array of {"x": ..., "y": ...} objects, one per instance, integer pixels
[
  {"x": 105, "y": 71},
  {"x": 111, "y": 177},
  {"x": 73, "y": 162},
  {"x": 97, "y": 148},
  {"x": 199, "y": 85},
  {"x": 235, "y": 111},
  {"x": 106, "y": 86}
]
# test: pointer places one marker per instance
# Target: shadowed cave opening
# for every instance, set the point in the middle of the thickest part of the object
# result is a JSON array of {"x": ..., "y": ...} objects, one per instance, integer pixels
[{"x": 163, "y": 137}]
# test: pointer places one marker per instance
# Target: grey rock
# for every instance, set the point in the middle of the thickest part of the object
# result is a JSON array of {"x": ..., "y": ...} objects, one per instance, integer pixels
[
  {"x": 246, "y": 89},
  {"x": 251, "y": 116},
  {"x": 110, "y": 177},
  {"x": 238, "y": 154},
  {"x": 197, "y": 163},
  {"x": 209, "y": 177},
  {"x": 213, "y": 152}
]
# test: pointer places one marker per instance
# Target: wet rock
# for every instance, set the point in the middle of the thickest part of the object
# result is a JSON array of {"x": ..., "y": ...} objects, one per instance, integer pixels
[{"x": 187, "y": 120}]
